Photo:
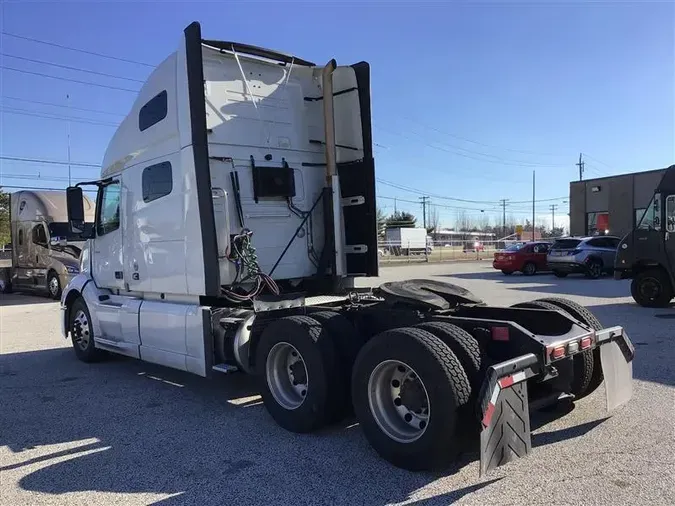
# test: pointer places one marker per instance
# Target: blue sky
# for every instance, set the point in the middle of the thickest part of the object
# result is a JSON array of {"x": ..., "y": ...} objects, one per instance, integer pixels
[{"x": 468, "y": 98}]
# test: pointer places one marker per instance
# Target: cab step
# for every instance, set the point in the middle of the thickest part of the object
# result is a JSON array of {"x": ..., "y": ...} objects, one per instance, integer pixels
[{"x": 225, "y": 368}]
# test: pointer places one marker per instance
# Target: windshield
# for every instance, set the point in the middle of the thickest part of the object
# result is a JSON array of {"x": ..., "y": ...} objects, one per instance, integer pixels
[
  {"x": 650, "y": 219},
  {"x": 63, "y": 230},
  {"x": 566, "y": 244}
]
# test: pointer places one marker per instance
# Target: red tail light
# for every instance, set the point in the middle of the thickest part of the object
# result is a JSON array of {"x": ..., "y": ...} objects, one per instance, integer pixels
[
  {"x": 558, "y": 352},
  {"x": 586, "y": 342}
]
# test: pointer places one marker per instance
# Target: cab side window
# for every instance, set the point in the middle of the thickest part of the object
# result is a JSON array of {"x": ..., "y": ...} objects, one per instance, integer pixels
[
  {"x": 670, "y": 213},
  {"x": 109, "y": 209},
  {"x": 39, "y": 235}
]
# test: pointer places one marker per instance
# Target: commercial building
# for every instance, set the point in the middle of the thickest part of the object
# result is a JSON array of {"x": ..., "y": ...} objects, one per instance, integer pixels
[{"x": 611, "y": 204}]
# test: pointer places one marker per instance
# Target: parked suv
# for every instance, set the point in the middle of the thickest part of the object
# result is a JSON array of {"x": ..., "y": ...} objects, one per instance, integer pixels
[
  {"x": 527, "y": 258},
  {"x": 592, "y": 256}
]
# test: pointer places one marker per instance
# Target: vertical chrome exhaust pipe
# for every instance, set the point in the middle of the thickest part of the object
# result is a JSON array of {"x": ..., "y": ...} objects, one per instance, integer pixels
[{"x": 329, "y": 120}]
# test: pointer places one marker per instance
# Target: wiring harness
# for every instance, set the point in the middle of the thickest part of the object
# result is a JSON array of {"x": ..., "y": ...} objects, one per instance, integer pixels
[{"x": 242, "y": 255}]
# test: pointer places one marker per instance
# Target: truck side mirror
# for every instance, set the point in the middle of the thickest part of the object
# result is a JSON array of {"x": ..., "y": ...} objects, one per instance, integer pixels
[{"x": 75, "y": 205}]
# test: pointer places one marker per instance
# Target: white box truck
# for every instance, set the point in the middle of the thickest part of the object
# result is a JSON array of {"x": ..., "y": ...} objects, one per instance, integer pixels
[
  {"x": 408, "y": 241},
  {"x": 236, "y": 207}
]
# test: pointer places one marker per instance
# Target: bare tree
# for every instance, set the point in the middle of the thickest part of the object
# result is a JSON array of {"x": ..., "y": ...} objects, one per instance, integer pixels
[
  {"x": 463, "y": 222},
  {"x": 433, "y": 220}
]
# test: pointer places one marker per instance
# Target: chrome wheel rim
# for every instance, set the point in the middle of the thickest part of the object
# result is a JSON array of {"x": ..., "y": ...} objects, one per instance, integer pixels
[
  {"x": 287, "y": 376},
  {"x": 53, "y": 285},
  {"x": 81, "y": 331},
  {"x": 399, "y": 401}
]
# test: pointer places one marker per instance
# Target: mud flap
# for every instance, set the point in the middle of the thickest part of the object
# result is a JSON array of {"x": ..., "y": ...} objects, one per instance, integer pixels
[
  {"x": 505, "y": 433},
  {"x": 616, "y": 357}
]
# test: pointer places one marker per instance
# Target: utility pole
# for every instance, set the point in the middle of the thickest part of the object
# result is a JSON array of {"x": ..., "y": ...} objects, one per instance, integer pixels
[
  {"x": 553, "y": 207},
  {"x": 533, "y": 201},
  {"x": 69, "y": 179},
  {"x": 581, "y": 167},
  {"x": 424, "y": 200},
  {"x": 503, "y": 203}
]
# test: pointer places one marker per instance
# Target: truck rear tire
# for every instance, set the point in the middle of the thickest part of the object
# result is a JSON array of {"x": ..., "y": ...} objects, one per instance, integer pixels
[
  {"x": 299, "y": 375},
  {"x": 407, "y": 389},
  {"x": 587, "y": 378},
  {"x": 82, "y": 333},
  {"x": 468, "y": 352},
  {"x": 652, "y": 288},
  {"x": 348, "y": 342}
]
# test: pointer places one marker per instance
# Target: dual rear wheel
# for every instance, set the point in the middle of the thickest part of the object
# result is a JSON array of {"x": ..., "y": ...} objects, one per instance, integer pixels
[{"x": 412, "y": 389}]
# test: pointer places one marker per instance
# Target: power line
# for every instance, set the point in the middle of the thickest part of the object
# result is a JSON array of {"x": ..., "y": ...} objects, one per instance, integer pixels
[
  {"x": 423, "y": 192},
  {"x": 599, "y": 161},
  {"x": 477, "y": 142},
  {"x": 25, "y": 112},
  {"x": 35, "y": 177},
  {"x": 61, "y": 105},
  {"x": 54, "y": 44},
  {"x": 4, "y": 67},
  {"x": 67, "y": 67},
  {"x": 497, "y": 159},
  {"x": 54, "y": 162}
]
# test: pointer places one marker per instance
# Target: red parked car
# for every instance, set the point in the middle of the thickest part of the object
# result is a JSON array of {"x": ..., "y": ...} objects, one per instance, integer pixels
[{"x": 527, "y": 258}]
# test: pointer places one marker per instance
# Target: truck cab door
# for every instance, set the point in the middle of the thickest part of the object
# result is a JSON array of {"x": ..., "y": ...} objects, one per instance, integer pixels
[
  {"x": 669, "y": 232},
  {"x": 107, "y": 262}
]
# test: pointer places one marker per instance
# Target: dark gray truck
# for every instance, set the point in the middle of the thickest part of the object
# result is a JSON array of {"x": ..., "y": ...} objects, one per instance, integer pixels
[{"x": 647, "y": 253}]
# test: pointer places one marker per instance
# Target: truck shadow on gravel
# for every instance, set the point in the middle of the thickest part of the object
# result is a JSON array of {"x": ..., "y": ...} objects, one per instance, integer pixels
[{"x": 124, "y": 426}]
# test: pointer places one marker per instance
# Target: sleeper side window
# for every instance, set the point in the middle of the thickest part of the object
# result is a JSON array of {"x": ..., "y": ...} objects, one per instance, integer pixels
[
  {"x": 39, "y": 235},
  {"x": 153, "y": 112},
  {"x": 157, "y": 181}
]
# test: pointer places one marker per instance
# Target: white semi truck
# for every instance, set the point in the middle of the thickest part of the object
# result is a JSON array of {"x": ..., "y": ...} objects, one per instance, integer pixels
[{"x": 236, "y": 207}]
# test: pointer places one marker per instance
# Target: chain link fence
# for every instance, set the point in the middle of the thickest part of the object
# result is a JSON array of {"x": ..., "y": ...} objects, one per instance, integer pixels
[{"x": 439, "y": 251}]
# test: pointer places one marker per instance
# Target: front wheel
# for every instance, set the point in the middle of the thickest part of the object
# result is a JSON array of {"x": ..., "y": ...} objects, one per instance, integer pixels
[
  {"x": 82, "y": 333},
  {"x": 652, "y": 288},
  {"x": 54, "y": 286},
  {"x": 408, "y": 388}
]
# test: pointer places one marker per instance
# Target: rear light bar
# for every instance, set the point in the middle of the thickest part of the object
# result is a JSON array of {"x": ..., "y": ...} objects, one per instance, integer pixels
[{"x": 562, "y": 350}]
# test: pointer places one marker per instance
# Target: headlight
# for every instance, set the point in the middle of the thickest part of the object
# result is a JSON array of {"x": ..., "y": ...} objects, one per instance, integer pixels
[{"x": 72, "y": 270}]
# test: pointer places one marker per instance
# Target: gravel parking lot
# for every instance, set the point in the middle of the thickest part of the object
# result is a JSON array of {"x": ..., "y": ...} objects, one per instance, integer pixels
[{"x": 125, "y": 432}]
